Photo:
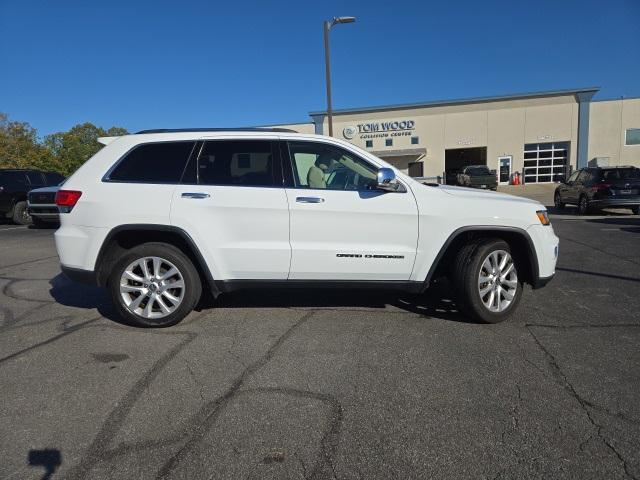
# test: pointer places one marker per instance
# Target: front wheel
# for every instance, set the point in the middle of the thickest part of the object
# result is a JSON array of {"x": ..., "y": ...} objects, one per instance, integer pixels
[
  {"x": 557, "y": 200},
  {"x": 583, "y": 205},
  {"x": 154, "y": 285},
  {"x": 485, "y": 281}
]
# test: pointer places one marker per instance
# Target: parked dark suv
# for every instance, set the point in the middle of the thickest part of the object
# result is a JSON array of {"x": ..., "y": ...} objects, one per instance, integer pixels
[
  {"x": 591, "y": 188},
  {"x": 14, "y": 186}
]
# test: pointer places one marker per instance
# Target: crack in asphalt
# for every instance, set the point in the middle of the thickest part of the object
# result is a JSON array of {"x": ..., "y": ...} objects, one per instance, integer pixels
[
  {"x": 117, "y": 417},
  {"x": 69, "y": 331},
  {"x": 205, "y": 419},
  {"x": 195, "y": 380},
  {"x": 2, "y": 269},
  {"x": 585, "y": 405},
  {"x": 202, "y": 422}
]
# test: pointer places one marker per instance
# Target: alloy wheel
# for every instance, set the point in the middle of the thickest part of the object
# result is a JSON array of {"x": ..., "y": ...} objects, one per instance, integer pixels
[
  {"x": 497, "y": 281},
  {"x": 582, "y": 206},
  {"x": 152, "y": 287}
]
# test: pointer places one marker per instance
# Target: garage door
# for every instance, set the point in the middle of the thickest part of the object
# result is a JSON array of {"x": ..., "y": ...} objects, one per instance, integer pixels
[{"x": 542, "y": 161}]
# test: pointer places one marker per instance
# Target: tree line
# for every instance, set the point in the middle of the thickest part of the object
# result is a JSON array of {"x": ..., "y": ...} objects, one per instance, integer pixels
[{"x": 61, "y": 152}]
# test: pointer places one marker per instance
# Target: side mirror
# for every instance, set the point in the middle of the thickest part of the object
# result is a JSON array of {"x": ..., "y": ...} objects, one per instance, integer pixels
[{"x": 387, "y": 180}]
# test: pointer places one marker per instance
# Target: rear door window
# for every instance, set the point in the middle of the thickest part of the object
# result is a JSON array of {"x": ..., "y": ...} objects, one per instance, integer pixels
[
  {"x": 243, "y": 163},
  {"x": 161, "y": 162}
]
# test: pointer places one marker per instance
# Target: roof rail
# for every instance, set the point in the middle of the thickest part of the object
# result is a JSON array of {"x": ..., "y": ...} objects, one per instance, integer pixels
[{"x": 253, "y": 129}]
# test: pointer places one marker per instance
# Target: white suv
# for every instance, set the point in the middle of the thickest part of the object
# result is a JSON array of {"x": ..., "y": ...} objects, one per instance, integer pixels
[{"x": 158, "y": 215}]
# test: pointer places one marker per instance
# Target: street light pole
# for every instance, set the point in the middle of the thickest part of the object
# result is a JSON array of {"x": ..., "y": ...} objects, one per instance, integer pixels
[
  {"x": 327, "y": 64},
  {"x": 327, "y": 69}
]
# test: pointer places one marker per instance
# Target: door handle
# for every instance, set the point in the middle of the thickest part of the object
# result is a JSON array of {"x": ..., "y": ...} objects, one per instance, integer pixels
[
  {"x": 195, "y": 195},
  {"x": 309, "y": 200}
]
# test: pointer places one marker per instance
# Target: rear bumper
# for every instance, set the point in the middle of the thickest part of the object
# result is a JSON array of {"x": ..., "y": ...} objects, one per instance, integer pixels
[
  {"x": 44, "y": 211},
  {"x": 88, "y": 277},
  {"x": 616, "y": 202},
  {"x": 78, "y": 246},
  {"x": 44, "y": 215}
]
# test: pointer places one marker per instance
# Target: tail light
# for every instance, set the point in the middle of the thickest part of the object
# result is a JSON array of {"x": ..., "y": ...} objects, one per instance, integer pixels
[
  {"x": 601, "y": 186},
  {"x": 67, "y": 199}
]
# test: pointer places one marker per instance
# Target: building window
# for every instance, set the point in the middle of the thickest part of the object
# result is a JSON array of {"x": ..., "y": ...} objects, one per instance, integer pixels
[
  {"x": 369, "y": 143},
  {"x": 544, "y": 161},
  {"x": 388, "y": 142},
  {"x": 632, "y": 136},
  {"x": 415, "y": 140}
]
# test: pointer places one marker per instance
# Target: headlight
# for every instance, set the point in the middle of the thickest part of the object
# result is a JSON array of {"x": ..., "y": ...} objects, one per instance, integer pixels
[{"x": 543, "y": 217}]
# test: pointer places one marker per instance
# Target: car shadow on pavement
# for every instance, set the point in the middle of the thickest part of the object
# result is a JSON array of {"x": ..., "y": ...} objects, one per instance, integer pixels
[
  {"x": 627, "y": 224},
  {"x": 436, "y": 302},
  {"x": 77, "y": 295},
  {"x": 50, "y": 459}
]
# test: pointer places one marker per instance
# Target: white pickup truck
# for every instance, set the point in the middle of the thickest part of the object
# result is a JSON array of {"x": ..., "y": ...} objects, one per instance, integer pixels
[{"x": 156, "y": 216}]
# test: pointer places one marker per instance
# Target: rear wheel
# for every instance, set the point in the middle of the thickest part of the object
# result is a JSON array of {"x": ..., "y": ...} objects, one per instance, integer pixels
[
  {"x": 557, "y": 200},
  {"x": 20, "y": 214},
  {"x": 485, "y": 281},
  {"x": 154, "y": 285},
  {"x": 583, "y": 205}
]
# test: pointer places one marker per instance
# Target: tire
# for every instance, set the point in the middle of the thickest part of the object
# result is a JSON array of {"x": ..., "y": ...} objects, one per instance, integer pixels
[
  {"x": 583, "y": 205},
  {"x": 467, "y": 285},
  {"x": 636, "y": 210},
  {"x": 557, "y": 201},
  {"x": 20, "y": 214},
  {"x": 139, "y": 312}
]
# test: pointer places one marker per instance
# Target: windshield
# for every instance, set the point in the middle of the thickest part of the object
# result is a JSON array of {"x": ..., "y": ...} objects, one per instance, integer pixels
[{"x": 480, "y": 170}]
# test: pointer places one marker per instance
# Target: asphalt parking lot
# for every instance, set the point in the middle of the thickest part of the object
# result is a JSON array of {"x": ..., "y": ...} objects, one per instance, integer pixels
[{"x": 326, "y": 384}]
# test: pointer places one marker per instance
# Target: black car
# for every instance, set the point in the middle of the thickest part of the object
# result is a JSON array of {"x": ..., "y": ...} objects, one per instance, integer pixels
[
  {"x": 601, "y": 187},
  {"x": 14, "y": 187},
  {"x": 42, "y": 206}
]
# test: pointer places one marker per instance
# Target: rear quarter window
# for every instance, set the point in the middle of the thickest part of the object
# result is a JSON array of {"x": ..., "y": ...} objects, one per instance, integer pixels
[{"x": 161, "y": 162}]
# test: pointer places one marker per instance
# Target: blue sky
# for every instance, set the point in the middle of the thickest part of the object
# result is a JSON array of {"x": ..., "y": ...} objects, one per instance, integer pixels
[{"x": 152, "y": 64}]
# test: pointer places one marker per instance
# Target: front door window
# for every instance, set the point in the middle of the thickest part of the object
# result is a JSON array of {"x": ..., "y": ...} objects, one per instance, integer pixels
[{"x": 327, "y": 167}]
